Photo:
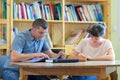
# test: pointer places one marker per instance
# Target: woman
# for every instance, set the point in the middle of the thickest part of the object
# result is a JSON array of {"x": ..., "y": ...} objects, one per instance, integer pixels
[{"x": 93, "y": 48}]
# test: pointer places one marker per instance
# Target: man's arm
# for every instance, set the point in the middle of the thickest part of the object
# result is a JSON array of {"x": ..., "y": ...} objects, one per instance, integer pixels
[
  {"x": 51, "y": 54},
  {"x": 15, "y": 56}
]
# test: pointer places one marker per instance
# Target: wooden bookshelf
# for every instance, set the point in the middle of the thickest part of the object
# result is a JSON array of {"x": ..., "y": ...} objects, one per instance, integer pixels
[
  {"x": 70, "y": 26},
  {"x": 60, "y": 29},
  {"x": 5, "y": 26}
]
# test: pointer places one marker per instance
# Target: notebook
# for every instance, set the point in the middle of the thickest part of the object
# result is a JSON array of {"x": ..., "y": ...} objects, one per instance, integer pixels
[
  {"x": 61, "y": 60},
  {"x": 52, "y": 60}
]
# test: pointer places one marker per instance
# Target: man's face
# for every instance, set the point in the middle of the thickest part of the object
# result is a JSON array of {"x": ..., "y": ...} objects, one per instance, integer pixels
[{"x": 39, "y": 33}]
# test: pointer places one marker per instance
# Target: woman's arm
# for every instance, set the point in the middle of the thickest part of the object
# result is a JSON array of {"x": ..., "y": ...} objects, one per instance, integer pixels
[
  {"x": 76, "y": 55},
  {"x": 110, "y": 56}
]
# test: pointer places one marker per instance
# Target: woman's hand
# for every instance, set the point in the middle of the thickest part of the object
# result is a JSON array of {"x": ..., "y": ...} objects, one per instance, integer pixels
[
  {"x": 62, "y": 55},
  {"x": 77, "y": 56},
  {"x": 82, "y": 57}
]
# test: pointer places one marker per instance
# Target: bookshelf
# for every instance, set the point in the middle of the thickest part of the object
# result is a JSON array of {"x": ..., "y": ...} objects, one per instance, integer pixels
[
  {"x": 60, "y": 29},
  {"x": 70, "y": 26},
  {"x": 4, "y": 27}
]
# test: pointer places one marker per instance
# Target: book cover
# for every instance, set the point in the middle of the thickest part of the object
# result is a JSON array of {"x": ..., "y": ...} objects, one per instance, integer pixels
[
  {"x": 76, "y": 37},
  {"x": 67, "y": 14},
  {"x": 99, "y": 12},
  {"x": 73, "y": 12},
  {"x": 15, "y": 10},
  {"x": 58, "y": 11},
  {"x": 51, "y": 11},
  {"x": 37, "y": 9},
  {"x": 19, "y": 12},
  {"x": 95, "y": 12},
  {"x": 4, "y": 7},
  {"x": 92, "y": 12},
  {"x": 82, "y": 13},
  {"x": 50, "y": 43},
  {"x": 85, "y": 10},
  {"x": 23, "y": 9},
  {"x": 41, "y": 9},
  {"x": 79, "y": 13}
]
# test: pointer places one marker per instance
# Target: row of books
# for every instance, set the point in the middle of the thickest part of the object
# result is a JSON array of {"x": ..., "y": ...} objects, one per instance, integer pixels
[
  {"x": 48, "y": 38},
  {"x": 75, "y": 37},
  {"x": 4, "y": 8},
  {"x": 37, "y": 10},
  {"x": 83, "y": 12}
]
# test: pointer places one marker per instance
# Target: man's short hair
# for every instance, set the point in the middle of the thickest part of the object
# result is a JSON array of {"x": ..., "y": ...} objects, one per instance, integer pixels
[{"x": 40, "y": 23}]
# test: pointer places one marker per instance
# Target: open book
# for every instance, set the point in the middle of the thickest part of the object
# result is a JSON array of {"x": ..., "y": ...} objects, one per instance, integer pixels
[{"x": 52, "y": 60}]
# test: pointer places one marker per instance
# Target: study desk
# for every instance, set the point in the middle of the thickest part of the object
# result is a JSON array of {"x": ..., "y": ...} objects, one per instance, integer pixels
[{"x": 97, "y": 68}]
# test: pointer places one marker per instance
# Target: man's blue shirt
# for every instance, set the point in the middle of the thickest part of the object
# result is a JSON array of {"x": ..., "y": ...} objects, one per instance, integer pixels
[{"x": 24, "y": 43}]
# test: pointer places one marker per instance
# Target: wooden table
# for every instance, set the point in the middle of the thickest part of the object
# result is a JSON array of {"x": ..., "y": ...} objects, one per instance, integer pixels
[{"x": 97, "y": 68}]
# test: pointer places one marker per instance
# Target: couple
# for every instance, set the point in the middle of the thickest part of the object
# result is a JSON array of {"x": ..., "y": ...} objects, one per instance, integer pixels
[{"x": 32, "y": 44}]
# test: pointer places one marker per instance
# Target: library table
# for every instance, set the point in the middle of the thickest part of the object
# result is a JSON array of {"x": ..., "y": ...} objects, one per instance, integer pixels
[{"x": 98, "y": 68}]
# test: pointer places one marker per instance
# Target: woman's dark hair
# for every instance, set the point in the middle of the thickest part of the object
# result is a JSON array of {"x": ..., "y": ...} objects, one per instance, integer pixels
[
  {"x": 97, "y": 29},
  {"x": 40, "y": 23}
]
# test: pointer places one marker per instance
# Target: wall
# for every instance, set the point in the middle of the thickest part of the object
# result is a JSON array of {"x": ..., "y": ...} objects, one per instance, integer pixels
[{"x": 114, "y": 30}]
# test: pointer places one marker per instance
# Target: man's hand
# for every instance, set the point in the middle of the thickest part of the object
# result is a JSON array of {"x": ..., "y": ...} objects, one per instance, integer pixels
[{"x": 39, "y": 55}]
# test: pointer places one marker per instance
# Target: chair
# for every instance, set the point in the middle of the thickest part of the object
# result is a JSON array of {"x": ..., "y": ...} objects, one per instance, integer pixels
[{"x": 3, "y": 59}]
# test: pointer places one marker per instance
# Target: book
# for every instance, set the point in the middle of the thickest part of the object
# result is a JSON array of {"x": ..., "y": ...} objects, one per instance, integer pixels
[
  {"x": 79, "y": 14},
  {"x": 73, "y": 13},
  {"x": 85, "y": 10},
  {"x": 99, "y": 12},
  {"x": 48, "y": 39},
  {"x": 41, "y": 9},
  {"x": 51, "y": 11},
  {"x": 58, "y": 11},
  {"x": 37, "y": 10},
  {"x": 4, "y": 8},
  {"x": 23, "y": 10},
  {"x": 15, "y": 10},
  {"x": 74, "y": 36}
]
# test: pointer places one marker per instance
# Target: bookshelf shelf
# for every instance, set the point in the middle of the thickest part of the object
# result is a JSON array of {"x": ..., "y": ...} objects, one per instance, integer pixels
[
  {"x": 23, "y": 20},
  {"x": 82, "y": 22},
  {"x": 3, "y": 21},
  {"x": 3, "y": 46},
  {"x": 86, "y": 1},
  {"x": 58, "y": 47}
]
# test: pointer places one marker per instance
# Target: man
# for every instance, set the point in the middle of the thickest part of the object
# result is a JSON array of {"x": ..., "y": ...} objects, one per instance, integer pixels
[{"x": 28, "y": 45}]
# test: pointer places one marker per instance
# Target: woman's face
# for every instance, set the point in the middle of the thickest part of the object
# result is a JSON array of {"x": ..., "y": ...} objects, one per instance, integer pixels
[{"x": 95, "y": 39}]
